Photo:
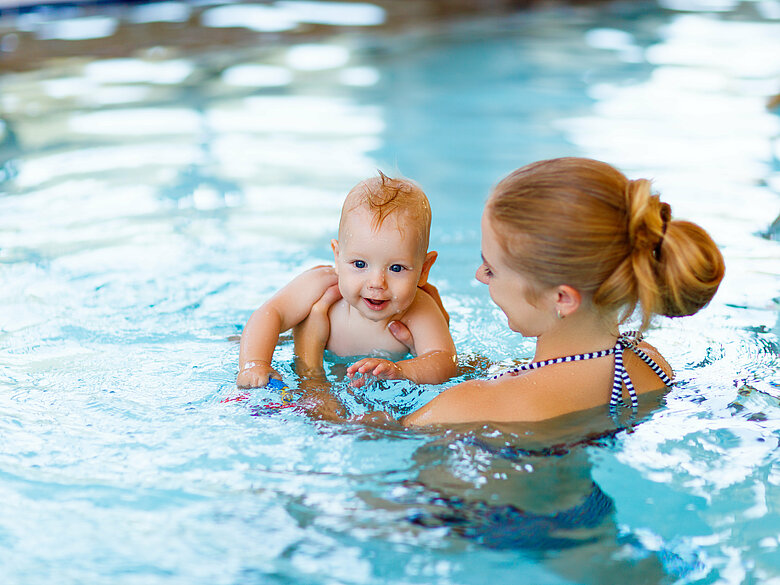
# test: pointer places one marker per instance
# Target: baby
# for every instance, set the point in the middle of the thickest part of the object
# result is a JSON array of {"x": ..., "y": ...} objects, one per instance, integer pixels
[{"x": 381, "y": 258}]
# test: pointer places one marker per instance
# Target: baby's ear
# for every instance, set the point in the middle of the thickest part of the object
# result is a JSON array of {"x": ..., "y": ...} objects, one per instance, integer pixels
[
  {"x": 430, "y": 258},
  {"x": 334, "y": 245}
]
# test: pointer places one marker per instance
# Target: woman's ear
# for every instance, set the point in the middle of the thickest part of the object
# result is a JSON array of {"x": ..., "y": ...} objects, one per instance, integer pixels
[
  {"x": 430, "y": 258},
  {"x": 568, "y": 300},
  {"x": 334, "y": 245}
]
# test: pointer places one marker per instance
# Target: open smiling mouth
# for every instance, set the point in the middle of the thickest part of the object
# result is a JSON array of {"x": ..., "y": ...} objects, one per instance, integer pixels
[{"x": 375, "y": 305}]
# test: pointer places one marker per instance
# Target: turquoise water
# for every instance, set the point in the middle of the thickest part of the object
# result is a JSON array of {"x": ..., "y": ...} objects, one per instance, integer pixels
[{"x": 152, "y": 198}]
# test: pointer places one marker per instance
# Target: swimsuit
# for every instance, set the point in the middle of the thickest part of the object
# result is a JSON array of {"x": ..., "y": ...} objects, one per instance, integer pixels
[
  {"x": 628, "y": 340},
  {"x": 509, "y": 527}
]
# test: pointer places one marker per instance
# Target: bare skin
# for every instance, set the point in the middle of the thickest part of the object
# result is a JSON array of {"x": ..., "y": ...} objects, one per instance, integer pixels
[
  {"x": 539, "y": 394},
  {"x": 288, "y": 307},
  {"x": 374, "y": 281},
  {"x": 312, "y": 334},
  {"x": 564, "y": 322}
]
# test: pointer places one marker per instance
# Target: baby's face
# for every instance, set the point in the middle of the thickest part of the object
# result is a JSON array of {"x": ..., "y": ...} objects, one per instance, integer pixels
[{"x": 378, "y": 270}]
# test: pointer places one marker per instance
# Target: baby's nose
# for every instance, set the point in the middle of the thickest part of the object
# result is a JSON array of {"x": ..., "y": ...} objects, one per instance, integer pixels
[{"x": 377, "y": 279}]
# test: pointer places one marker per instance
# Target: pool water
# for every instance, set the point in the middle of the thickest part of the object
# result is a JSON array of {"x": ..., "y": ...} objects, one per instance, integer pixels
[{"x": 165, "y": 167}]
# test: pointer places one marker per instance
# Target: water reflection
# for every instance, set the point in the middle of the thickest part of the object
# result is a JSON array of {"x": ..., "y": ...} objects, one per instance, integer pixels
[
  {"x": 256, "y": 17},
  {"x": 77, "y": 29},
  {"x": 287, "y": 15},
  {"x": 126, "y": 71},
  {"x": 160, "y": 12},
  {"x": 257, "y": 75}
]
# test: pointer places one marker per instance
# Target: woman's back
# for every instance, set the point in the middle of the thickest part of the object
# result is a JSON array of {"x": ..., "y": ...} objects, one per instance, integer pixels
[{"x": 547, "y": 392}]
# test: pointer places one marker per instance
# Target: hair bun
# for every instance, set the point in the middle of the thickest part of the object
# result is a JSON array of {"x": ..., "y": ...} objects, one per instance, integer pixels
[
  {"x": 647, "y": 217},
  {"x": 690, "y": 269}
]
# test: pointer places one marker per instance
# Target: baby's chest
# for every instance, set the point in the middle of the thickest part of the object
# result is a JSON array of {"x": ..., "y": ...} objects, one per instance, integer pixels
[{"x": 350, "y": 336}]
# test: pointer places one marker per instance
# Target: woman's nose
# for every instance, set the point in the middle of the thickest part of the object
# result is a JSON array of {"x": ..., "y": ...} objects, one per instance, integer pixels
[{"x": 480, "y": 275}]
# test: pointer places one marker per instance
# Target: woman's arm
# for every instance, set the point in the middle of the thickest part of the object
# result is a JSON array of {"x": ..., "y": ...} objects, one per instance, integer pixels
[
  {"x": 455, "y": 404},
  {"x": 311, "y": 335},
  {"x": 509, "y": 399}
]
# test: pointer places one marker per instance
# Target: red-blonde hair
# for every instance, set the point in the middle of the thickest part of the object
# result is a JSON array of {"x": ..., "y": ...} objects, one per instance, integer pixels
[
  {"x": 384, "y": 196},
  {"x": 582, "y": 223}
]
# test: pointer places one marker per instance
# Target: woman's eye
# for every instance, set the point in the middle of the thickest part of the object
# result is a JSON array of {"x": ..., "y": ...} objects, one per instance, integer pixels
[
  {"x": 359, "y": 263},
  {"x": 396, "y": 268}
]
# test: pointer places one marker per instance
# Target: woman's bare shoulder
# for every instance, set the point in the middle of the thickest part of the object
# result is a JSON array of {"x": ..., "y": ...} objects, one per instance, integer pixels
[
  {"x": 655, "y": 355},
  {"x": 505, "y": 399}
]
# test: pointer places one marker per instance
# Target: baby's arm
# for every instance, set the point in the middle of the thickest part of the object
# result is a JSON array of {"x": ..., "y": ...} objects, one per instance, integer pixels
[
  {"x": 288, "y": 307},
  {"x": 436, "y": 360}
]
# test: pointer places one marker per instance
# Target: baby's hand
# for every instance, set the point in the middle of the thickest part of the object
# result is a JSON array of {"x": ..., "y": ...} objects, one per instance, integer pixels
[
  {"x": 256, "y": 375},
  {"x": 379, "y": 368}
]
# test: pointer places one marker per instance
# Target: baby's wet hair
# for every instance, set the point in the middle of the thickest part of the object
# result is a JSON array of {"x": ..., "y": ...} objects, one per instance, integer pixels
[
  {"x": 582, "y": 223},
  {"x": 384, "y": 196}
]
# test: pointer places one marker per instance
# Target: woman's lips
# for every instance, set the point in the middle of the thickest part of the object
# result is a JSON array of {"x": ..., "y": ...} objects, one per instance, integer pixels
[{"x": 375, "y": 305}]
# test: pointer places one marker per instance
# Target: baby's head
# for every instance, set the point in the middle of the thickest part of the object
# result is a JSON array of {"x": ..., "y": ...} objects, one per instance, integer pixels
[
  {"x": 383, "y": 198},
  {"x": 382, "y": 249}
]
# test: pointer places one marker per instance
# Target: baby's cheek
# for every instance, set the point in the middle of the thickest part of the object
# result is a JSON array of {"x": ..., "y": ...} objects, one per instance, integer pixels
[
  {"x": 346, "y": 287},
  {"x": 406, "y": 295}
]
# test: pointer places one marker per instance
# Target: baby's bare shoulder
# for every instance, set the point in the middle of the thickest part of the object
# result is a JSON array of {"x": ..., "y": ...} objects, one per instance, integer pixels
[{"x": 422, "y": 307}]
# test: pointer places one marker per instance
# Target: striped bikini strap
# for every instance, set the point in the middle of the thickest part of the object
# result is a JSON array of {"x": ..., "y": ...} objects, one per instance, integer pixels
[
  {"x": 653, "y": 366},
  {"x": 631, "y": 340},
  {"x": 617, "y": 382},
  {"x": 569, "y": 358}
]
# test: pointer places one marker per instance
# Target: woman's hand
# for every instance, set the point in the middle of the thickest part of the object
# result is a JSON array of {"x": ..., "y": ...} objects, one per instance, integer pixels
[
  {"x": 401, "y": 333},
  {"x": 377, "y": 367}
]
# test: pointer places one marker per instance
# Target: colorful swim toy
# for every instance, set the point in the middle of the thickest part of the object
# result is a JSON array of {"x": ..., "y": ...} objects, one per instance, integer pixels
[{"x": 287, "y": 399}]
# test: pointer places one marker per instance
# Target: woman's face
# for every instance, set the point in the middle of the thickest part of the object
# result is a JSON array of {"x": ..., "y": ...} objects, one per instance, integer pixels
[{"x": 510, "y": 290}]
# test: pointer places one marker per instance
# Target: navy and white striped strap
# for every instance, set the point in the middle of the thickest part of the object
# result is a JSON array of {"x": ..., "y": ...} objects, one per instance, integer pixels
[
  {"x": 628, "y": 340},
  {"x": 560, "y": 360},
  {"x": 653, "y": 366}
]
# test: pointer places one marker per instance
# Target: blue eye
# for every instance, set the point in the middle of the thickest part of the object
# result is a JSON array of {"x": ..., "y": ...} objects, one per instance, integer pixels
[
  {"x": 359, "y": 263},
  {"x": 396, "y": 268}
]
